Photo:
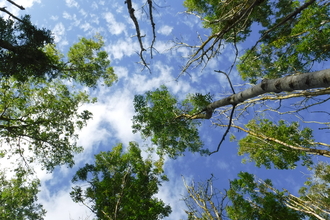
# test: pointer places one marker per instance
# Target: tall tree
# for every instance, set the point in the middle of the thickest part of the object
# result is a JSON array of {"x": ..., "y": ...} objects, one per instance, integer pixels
[
  {"x": 42, "y": 116},
  {"x": 121, "y": 185}
]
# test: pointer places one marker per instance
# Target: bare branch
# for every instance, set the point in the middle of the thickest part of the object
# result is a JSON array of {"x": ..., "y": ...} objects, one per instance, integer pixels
[
  {"x": 226, "y": 132},
  {"x": 18, "y": 6},
  {"x": 10, "y": 14}
]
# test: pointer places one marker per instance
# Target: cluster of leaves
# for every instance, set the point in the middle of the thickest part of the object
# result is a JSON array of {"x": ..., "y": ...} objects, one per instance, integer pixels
[
  {"x": 87, "y": 63},
  {"x": 157, "y": 116},
  {"x": 267, "y": 152},
  {"x": 121, "y": 185},
  {"x": 18, "y": 197}
]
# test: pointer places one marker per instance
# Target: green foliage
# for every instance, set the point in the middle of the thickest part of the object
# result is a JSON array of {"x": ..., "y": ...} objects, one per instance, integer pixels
[
  {"x": 292, "y": 47},
  {"x": 88, "y": 63},
  {"x": 266, "y": 152},
  {"x": 121, "y": 186},
  {"x": 18, "y": 198},
  {"x": 41, "y": 117},
  {"x": 157, "y": 117},
  {"x": 230, "y": 17},
  {"x": 251, "y": 199},
  {"x": 21, "y": 50}
]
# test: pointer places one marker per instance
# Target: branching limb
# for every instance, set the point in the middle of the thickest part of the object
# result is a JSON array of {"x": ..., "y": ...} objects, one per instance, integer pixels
[
  {"x": 211, "y": 46},
  {"x": 226, "y": 132},
  {"x": 138, "y": 32}
]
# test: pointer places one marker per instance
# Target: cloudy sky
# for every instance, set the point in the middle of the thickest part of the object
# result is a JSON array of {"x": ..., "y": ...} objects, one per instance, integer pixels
[{"x": 111, "y": 124}]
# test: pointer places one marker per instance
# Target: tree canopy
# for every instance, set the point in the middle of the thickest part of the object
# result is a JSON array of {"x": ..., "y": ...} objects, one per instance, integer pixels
[{"x": 121, "y": 185}]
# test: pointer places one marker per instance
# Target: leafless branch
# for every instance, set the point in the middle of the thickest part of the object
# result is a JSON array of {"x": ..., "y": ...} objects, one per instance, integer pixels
[
  {"x": 210, "y": 47},
  {"x": 226, "y": 132},
  {"x": 10, "y": 14},
  {"x": 18, "y": 6}
]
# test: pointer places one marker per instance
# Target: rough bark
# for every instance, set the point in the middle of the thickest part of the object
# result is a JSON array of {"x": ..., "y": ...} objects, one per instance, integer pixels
[{"x": 319, "y": 79}]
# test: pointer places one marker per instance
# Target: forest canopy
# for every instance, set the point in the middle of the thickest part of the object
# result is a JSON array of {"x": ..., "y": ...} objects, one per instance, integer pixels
[{"x": 269, "y": 98}]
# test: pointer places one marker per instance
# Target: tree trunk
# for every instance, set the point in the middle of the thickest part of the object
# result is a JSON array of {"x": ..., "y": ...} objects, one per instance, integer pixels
[{"x": 319, "y": 79}]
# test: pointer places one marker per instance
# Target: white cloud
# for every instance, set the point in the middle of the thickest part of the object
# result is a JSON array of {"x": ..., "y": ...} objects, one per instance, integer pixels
[
  {"x": 72, "y": 17},
  {"x": 59, "y": 33},
  {"x": 121, "y": 48},
  {"x": 61, "y": 206},
  {"x": 54, "y": 18},
  {"x": 115, "y": 27},
  {"x": 71, "y": 3},
  {"x": 165, "y": 30}
]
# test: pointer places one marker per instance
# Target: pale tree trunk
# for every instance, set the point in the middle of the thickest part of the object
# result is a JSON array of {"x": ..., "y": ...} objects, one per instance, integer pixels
[{"x": 319, "y": 79}]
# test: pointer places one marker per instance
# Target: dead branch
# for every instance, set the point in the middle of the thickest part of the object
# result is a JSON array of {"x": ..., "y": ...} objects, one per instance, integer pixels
[
  {"x": 226, "y": 132},
  {"x": 211, "y": 46},
  {"x": 138, "y": 32},
  {"x": 18, "y": 6},
  {"x": 10, "y": 14},
  {"x": 200, "y": 200}
]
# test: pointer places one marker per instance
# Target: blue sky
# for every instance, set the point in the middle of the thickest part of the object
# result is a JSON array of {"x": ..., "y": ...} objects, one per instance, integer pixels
[{"x": 111, "y": 124}]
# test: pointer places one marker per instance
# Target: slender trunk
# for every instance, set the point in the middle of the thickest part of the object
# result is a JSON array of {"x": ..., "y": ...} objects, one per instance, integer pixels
[{"x": 319, "y": 79}]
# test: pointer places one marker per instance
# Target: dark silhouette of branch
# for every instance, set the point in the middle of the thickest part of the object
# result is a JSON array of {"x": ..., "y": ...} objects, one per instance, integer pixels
[
  {"x": 10, "y": 14},
  {"x": 18, "y": 6},
  {"x": 226, "y": 132},
  {"x": 153, "y": 27},
  {"x": 138, "y": 32},
  {"x": 231, "y": 85}
]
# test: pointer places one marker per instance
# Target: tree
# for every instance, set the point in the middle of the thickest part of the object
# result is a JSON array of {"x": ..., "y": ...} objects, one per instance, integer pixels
[
  {"x": 18, "y": 197},
  {"x": 42, "y": 116},
  {"x": 121, "y": 185}
]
